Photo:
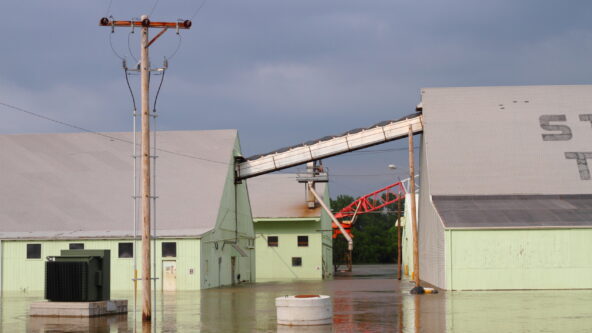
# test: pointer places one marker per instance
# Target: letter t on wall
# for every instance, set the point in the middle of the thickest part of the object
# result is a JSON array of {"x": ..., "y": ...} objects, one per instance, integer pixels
[{"x": 581, "y": 162}]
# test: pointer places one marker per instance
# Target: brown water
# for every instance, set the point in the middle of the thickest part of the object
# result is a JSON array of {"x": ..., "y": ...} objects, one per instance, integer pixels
[{"x": 368, "y": 300}]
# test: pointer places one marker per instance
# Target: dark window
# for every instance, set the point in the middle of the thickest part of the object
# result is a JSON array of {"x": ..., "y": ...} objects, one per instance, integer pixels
[
  {"x": 169, "y": 249},
  {"x": 76, "y": 246},
  {"x": 296, "y": 261},
  {"x": 33, "y": 251},
  {"x": 272, "y": 241},
  {"x": 302, "y": 240},
  {"x": 126, "y": 250}
]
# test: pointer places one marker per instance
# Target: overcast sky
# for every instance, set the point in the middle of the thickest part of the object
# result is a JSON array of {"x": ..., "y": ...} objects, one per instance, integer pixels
[{"x": 284, "y": 72}]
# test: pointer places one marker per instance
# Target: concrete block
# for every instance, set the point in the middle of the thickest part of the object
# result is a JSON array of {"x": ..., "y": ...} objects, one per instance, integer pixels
[{"x": 78, "y": 309}]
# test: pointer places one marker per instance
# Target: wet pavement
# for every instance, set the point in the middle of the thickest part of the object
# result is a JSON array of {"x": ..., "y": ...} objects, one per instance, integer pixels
[{"x": 367, "y": 300}]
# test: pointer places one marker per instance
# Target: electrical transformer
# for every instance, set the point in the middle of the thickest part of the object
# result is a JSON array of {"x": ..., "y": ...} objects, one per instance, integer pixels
[{"x": 78, "y": 276}]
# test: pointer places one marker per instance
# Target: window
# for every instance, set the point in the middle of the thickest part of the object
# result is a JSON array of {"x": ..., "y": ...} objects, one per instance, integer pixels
[
  {"x": 296, "y": 261},
  {"x": 272, "y": 241},
  {"x": 33, "y": 251},
  {"x": 302, "y": 240},
  {"x": 169, "y": 249},
  {"x": 126, "y": 250},
  {"x": 76, "y": 246}
]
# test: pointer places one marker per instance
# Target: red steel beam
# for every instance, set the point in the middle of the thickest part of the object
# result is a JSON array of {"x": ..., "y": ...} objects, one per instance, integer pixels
[{"x": 373, "y": 201}]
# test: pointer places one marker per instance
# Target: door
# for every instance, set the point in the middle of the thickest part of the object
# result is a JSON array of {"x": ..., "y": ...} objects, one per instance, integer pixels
[
  {"x": 169, "y": 275},
  {"x": 233, "y": 269}
]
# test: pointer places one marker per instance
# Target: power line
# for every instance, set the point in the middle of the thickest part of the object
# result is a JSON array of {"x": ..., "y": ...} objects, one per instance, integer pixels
[
  {"x": 362, "y": 175},
  {"x": 129, "y": 47},
  {"x": 110, "y": 137},
  {"x": 153, "y": 8},
  {"x": 158, "y": 91},
  {"x": 113, "y": 48},
  {"x": 179, "y": 43},
  {"x": 198, "y": 9},
  {"x": 130, "y": 87},
  {"x": 109, "y": 8},
  {"x": 379, "y": 151}
]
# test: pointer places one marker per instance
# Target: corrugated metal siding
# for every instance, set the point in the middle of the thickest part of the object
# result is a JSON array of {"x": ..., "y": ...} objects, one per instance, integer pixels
[
  {"x": 29, "y": 274},
  {"x": 216, "y": 255},
  {"x": 491, "y": 140},
  {"x": 431, "y": 232},
  {"x": 521, "y": 259}
]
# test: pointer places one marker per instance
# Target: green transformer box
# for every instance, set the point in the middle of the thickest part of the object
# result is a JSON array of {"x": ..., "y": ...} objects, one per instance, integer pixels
[{"x": 78, "y": 276}]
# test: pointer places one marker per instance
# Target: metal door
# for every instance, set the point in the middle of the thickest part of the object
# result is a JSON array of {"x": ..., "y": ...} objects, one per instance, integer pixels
[
  {"x": 233, "y": 269},
  {"x": 169, "y": 274}
]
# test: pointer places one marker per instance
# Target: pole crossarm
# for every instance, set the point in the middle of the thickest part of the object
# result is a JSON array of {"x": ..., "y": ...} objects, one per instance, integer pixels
[{"x": 145, "y": 23}]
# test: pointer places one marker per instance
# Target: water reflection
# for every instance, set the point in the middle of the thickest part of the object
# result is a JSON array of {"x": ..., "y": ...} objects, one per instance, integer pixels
[
  {"x": 108, "y": 324},
  {"x": 375, "y": 302}
]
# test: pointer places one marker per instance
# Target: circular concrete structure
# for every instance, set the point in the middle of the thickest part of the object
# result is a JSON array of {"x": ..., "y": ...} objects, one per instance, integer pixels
[{"x": 302, "y": 310}]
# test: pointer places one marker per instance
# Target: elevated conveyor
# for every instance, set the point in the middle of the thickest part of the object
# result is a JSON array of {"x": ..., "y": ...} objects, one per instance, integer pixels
[{"x": 329, "y": 146}]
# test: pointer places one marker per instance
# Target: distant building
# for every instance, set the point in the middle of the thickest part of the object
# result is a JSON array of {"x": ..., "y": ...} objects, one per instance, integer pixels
[
  {"x": 292, "y": 241},
  {"x": 63, "y": 191},
  {"x": 506, "y": 192}
]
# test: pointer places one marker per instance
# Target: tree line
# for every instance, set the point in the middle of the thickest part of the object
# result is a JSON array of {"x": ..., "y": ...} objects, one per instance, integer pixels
[{"x": 375, "y": 235}]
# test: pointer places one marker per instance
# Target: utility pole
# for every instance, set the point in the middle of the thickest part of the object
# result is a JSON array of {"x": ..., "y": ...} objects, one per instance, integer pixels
[
  {"x": 145, "y": 171},
  {"x": 399, "y": 245},
  {"x": 145, "y": 69},
  {"x": 417, "y": 289}
]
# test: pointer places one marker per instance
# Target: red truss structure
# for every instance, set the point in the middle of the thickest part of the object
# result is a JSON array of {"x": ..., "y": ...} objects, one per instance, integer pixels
[{"x": 366, "y": 204}]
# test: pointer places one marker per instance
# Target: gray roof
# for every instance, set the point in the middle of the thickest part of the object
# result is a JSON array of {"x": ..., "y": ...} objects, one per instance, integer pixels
[
  {"x": 511, "y": 211},
  {"x": 280, "y": 196},
  {"x": 81, "y": 184},
  {"x": 490, "y": 140}
]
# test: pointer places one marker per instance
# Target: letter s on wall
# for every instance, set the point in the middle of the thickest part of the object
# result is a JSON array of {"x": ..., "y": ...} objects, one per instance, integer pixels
[{"x": 545, "y": 121}]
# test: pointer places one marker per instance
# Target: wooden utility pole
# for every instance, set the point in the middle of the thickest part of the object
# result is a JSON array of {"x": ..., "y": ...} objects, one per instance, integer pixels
[
  {"x": 417, "y": 289},
  {"x": 145, "y": 172},
  {"x": 399, "y": 246},
  {"x": 145, "y": 69}
]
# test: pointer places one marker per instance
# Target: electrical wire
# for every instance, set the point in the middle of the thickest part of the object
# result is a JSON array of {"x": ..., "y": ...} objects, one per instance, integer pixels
[
  {"x": 110, "y": 137},
  {"x": 113, "y": 48},
  {"x": 153, "y": 8},
  {"x": 198, "y": 9},
  {"x": 158, "y": 91},
  {"x": 109, "y": 8},
  {"x": 179, "y": 42},
  {"x": 130, "y": 89},
  {"x": 129, "y": 46},
  {"x": 371, "y": 151}
]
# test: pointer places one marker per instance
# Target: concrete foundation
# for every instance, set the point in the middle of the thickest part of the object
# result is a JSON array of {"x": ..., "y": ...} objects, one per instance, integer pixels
[
  {"x": 78, "y": 309},
  {"x": 304, "y": 310}
]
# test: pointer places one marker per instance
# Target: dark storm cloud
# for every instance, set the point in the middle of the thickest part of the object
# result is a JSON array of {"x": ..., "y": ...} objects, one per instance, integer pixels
[{"x": 284, "y": 72}]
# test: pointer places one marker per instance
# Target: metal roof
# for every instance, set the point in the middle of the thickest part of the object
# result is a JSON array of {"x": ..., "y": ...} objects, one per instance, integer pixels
[
  {"x": 280, "y": 196},
  {"x": 501, "y": 140},
  {"x": 515, "y": 211},
  {"x": 80, "y": 185}
]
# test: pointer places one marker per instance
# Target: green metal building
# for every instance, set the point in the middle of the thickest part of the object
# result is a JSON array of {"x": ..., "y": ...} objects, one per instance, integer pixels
[
  {"x": 62, "y": 191},
  {"x": 293, "y": 241},
  {"x": 506, "y": 193}
]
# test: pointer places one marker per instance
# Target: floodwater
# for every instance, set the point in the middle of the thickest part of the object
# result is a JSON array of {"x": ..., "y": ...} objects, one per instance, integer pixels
[{"x": 367, "y": 300}]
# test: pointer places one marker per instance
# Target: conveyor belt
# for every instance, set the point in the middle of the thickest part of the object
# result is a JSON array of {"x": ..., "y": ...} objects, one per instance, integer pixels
[{"x": 329, "y": 146}]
